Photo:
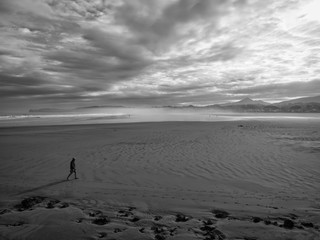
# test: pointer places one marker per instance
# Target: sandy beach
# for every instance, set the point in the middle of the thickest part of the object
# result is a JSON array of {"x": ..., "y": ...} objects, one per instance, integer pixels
[{"x": 162, "y": 180}]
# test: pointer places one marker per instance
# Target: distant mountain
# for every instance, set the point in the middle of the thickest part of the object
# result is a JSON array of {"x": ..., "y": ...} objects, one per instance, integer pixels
[
  {"x": 246, "y": 101},
  {"x": 299, "y": 105},
  {"x": 47, "y": 110},
  {"x": 315, "y": 99}
]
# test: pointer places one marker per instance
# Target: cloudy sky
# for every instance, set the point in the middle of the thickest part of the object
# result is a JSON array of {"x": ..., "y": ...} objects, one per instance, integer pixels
[{"x": 67, "y": 53}]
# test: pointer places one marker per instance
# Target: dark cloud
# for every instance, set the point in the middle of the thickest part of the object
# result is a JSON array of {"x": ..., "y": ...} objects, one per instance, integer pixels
[
  {"x": 36, "y": 16},
  {"x": 93, "y": 65},
  {"x": 7, "y": 80},
  {"x": 290, "y": 89},
  {"x": 158, "y": 29},
  {"x": 4, "y": 52},
  {"x": 34, "y": 85},
  {"x": 109, "y": 58},
  {"x": 69, "y": 61},
  {"x": 41, "y": 86},
  {"x": 6, "y": 6},
  {"x": 113, "y": 45},
  {"x": 32, "y": 91}
]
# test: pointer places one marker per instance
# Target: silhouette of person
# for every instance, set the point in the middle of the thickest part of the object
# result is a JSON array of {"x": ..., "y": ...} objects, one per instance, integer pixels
[{"x": 72, "y": 169}]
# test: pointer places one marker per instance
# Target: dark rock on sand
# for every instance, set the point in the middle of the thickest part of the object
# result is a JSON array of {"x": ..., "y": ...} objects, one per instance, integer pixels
[
  {"x": 293, "y": 216},
  {"x": 157, "y": 218},
  {"x": 157, "y": 229},
  {"x": 102, "y": 220},
  {"x": 135, "y": 219},
  {"x": 288, "y": 224},
  {"x": 182, "y": 218},
  {"x": 215, "y": 234},
  {"x": 307, "y": 224},
  {"x": 208, "y": 222},
  {"x": 172, "y": 231},
  {"x": 220, "y": 234},
  {"x": 220, "y": 213},
  {"x": 131, "y": 208},
  {"x": 207, "y": 228},
  {"x": 210, "y": 232},
  {"x": 94, "y": 213},
  {"x": 52, "y": 203},
  {"x": 267, "y": 222},
  {"x": 256, "y": 219},
  {"x": 28, "y": 203},
  {"x": 159, "y": 237},
  {"x": 63, "y": 205}
]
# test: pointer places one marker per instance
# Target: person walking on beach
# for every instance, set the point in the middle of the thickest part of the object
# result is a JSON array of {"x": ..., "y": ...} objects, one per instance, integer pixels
[{"x": 72, "y": 169}]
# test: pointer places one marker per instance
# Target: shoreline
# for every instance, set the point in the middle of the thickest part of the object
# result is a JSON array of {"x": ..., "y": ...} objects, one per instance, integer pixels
[{"x": 174, "y": 117}]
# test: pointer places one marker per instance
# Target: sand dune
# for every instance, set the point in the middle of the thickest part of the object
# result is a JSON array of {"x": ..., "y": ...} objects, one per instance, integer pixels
[{"x": 249, "y": 168}]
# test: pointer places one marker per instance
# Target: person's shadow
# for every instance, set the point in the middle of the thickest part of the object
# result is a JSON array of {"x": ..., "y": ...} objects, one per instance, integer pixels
[{"x": 42, "y": 187}]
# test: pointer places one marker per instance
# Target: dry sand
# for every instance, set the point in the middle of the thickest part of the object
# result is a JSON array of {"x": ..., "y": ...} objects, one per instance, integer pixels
[{"x": 169, "y": 180}]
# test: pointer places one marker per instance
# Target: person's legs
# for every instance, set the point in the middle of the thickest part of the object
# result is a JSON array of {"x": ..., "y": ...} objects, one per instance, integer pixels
[
  {"x": 69, "y": 175},
  {"x": 71, "y": 171},
  {"x": 75, "y": 174}
]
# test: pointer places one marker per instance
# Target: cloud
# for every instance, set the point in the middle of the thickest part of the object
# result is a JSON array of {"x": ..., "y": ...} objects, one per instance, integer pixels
[
  {"x": 103, "y": 58},
  {"x": 290, "y": 89},
  {"x": 33, "y": 85},
  {"x": 184, "y": 88},
  {"x": 158, "y": 26},
  {"x": 112, "y": 45},
  {"x": 28, "y": 7},
  {"x": 4, "y": 52},
  {"x": 7, "y": 80},
  {"x": 157, "y": 52}
]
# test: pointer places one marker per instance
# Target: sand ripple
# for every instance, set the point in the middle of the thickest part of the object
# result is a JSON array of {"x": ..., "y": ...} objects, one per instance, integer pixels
[{"x": 282, "y": 159}]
